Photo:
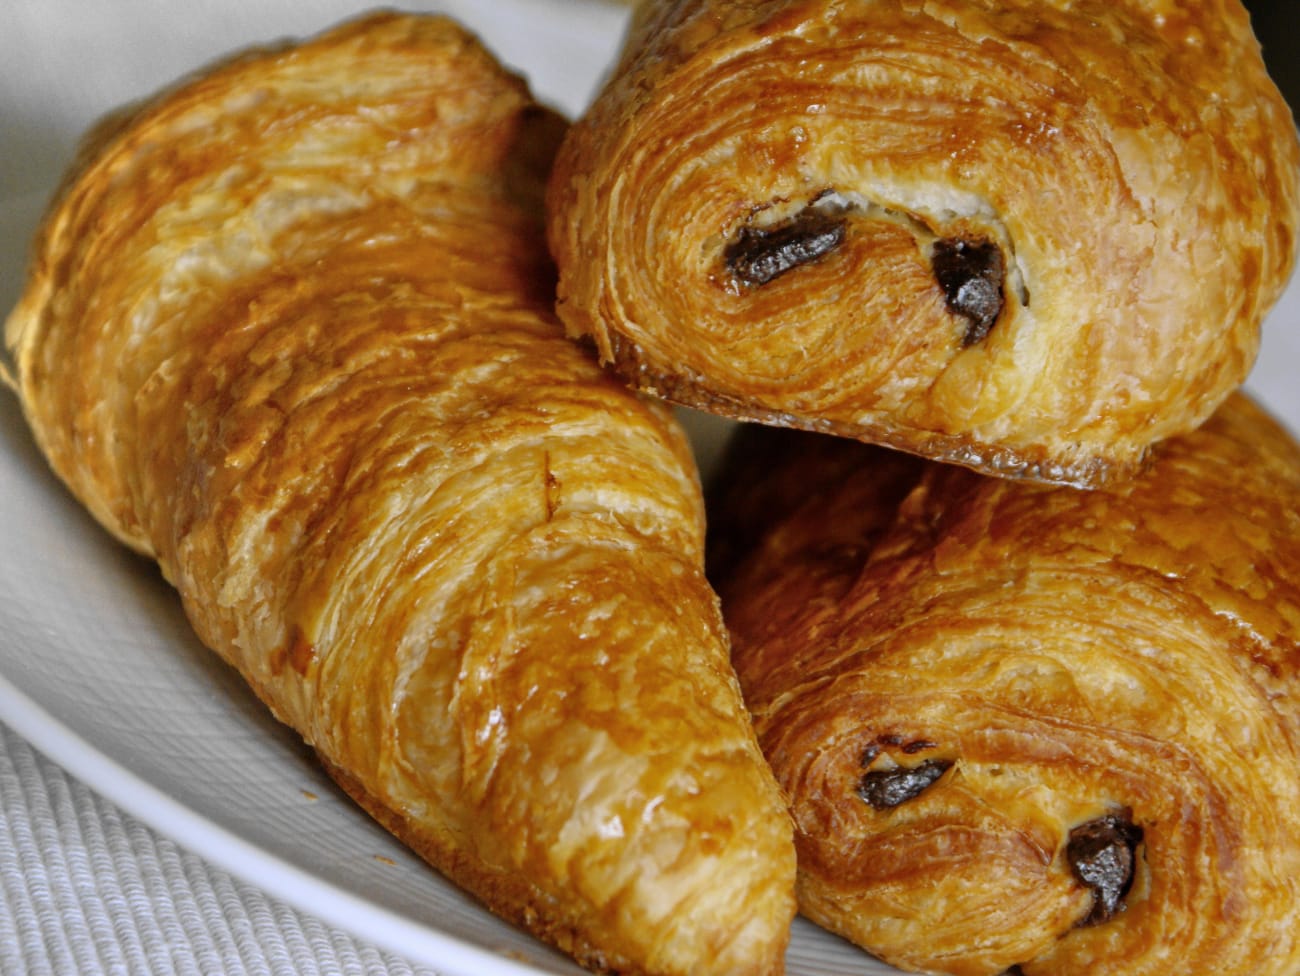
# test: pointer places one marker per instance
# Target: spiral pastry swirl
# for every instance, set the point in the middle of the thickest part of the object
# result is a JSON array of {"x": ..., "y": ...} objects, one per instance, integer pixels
[
  {"x": 1032, "y": 238},
  {"x": 1029, "y": 728}
]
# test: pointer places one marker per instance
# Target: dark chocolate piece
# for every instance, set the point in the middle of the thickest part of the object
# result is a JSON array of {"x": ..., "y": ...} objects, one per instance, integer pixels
[
  {"x": 971, "y": 274},
  {"x": 1101, "y": 856},
  {"x": 758, "y": 255},
  {"x": 885, "y": 789}
]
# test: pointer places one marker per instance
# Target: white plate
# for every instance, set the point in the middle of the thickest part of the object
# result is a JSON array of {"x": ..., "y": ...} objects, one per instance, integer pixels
[{"x": 98, "y": 667}]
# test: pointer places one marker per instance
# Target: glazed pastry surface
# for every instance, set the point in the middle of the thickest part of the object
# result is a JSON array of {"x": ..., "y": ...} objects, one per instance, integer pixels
[
  {"x": 289, "y": 331},
  {"x": 1028, "y": 728},
  {"x": 1029, "y": 237}
]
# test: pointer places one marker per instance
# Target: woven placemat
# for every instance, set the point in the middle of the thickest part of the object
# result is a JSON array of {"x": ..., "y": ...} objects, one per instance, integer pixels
[{"x": 85, "y": 889}]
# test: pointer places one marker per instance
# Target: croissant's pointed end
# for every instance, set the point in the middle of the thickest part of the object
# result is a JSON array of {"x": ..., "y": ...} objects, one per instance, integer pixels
[
  {"x": 738, "y": 924},
  {"x": 724, "y": 916}
]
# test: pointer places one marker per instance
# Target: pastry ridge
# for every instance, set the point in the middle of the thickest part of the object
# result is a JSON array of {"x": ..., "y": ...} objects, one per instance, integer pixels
[
  {"x": 1030, "y": 726},
  {"x": 288, "y": 330},
  {"x": 950, "y": 228}
]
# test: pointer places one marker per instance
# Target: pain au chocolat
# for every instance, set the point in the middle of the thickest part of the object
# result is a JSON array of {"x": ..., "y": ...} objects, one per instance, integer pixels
[
  {"x": 289, "y": 331},
  {"x": 1029, "y": 237},
  {"x": 1029, "y": 729}
]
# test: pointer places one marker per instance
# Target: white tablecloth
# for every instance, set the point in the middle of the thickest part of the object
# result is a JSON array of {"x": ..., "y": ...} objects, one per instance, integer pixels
[{"x": 87, "y": 889}]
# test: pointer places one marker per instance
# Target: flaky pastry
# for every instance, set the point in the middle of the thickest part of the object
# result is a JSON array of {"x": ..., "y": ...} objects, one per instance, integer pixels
[
  {"x": 1030, "y": 237},
  {"x": 1028, "y": 728},
  {"x": 288, "y": 330}
]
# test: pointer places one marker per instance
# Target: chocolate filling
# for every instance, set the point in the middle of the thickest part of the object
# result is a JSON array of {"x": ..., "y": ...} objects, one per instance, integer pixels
[
  {"x": 971, "y": 274},
  {"x": 885, "y": 789},
  {"x": 1101, "y": 856},
  {"x": 758, "y": 255}
]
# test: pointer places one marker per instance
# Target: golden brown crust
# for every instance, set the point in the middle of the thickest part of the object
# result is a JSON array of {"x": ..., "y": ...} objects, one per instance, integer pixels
[
  {"x": 1049, "y": 661},
  {"x": 1031, "y": 238},
  {"x": 290, "y": 331},
  {"x": 508, "y": 895}
]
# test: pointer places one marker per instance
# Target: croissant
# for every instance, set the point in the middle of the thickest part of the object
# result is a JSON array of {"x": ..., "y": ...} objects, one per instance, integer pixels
[
  {"x": 288, "y": 330},
  {"x": 1027, "y": 728},
  {"x": 1028, "y": 237}
]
